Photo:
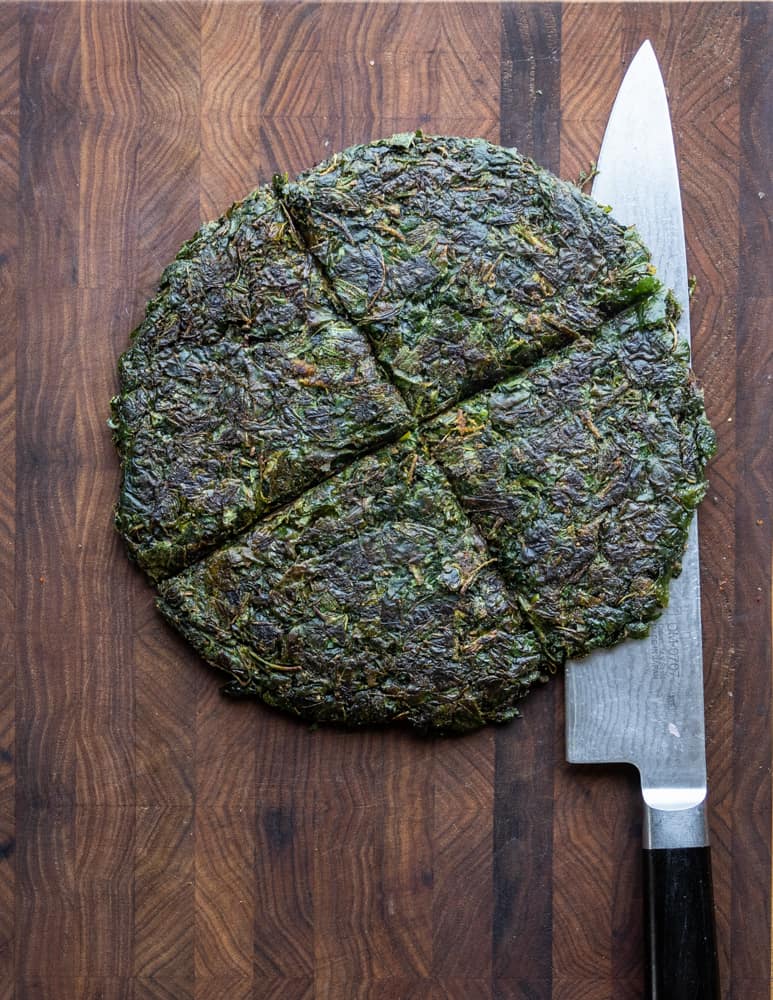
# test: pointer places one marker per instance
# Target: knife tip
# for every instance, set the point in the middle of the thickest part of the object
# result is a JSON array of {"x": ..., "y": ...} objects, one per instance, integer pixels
[{"x": 646, "y": 51}]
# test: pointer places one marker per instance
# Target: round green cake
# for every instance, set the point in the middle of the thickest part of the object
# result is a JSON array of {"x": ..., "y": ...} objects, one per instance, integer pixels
[{"x": 401, "y": 435}]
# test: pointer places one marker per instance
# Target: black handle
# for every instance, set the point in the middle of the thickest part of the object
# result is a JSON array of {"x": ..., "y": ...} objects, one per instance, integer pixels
[{"x": 679, "y": 921}]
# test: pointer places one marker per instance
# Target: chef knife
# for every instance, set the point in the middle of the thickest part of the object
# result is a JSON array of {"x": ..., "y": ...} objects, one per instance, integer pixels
[{"x": 642, "y": 703}]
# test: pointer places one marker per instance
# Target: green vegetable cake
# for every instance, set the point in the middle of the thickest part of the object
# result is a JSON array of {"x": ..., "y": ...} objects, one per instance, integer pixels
[{"x": 400, "y": 436}]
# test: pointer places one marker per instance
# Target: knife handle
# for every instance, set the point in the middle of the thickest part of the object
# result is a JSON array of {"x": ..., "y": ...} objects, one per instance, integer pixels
[{"x": 679, "y": 921}]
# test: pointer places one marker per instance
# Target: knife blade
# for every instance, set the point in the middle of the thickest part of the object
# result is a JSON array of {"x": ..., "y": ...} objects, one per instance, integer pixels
[{"x": 642, "y": 703}]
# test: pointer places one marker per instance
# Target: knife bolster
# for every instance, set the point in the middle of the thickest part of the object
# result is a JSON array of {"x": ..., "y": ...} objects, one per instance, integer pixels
[{"x": 674, "y": 828}]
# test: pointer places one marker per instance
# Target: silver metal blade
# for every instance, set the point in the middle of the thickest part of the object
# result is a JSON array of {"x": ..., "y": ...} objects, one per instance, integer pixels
[{"x": 642, "y": 702}]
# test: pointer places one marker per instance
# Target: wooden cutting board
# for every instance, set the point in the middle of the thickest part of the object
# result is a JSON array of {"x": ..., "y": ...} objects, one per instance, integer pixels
[{"x": 158, "y": 841}]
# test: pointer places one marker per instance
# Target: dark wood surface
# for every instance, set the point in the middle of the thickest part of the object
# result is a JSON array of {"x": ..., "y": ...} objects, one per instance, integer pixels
[{"x": 158, "y": 841}]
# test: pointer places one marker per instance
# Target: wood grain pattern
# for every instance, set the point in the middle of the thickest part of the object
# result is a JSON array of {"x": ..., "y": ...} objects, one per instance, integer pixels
[
  {"x": 231, "y": 111},
  {"x": 285, "y": 846},
  {"x": 707, "y": 121},
  {"x": 169, "y": 64},
  {"x": 9, "y": 195},
  {"x": 463, "y": 827},
  {"x": 49, "y": 86},
  {"x": 751, "y": 855},
  {"x": 162, "y": 920},
  {"x": 110, "y": 138},
  {"x": 159, "y": 842},
  {"x": 224, "y": 899}
]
